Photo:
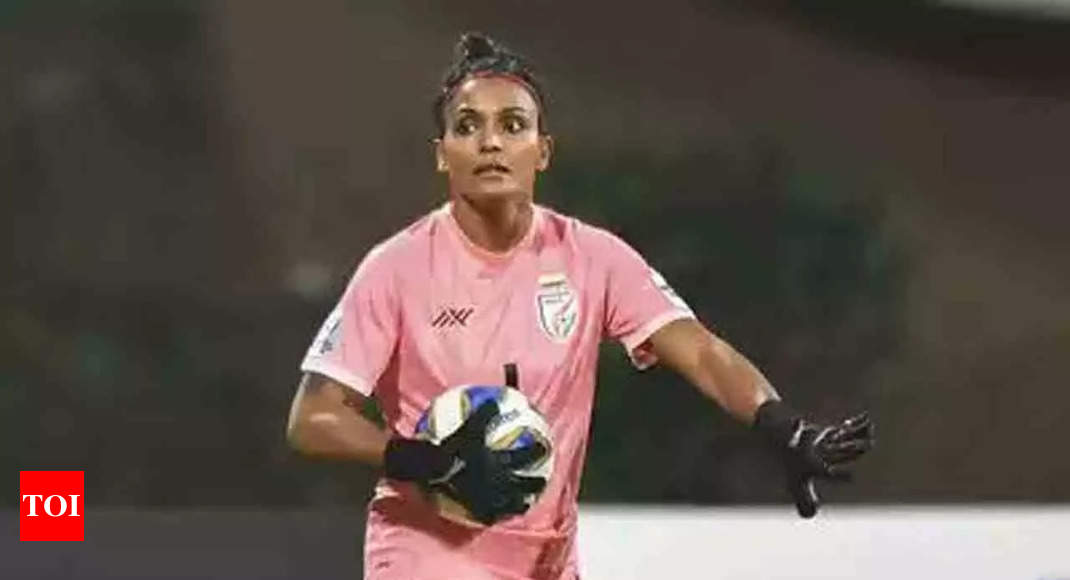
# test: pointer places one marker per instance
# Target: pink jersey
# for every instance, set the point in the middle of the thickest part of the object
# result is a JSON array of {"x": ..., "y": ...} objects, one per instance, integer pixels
[{"x": 428, "y": 309}]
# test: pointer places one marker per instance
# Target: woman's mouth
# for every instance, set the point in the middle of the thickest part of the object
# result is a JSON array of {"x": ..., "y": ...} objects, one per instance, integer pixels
[{"x": 491, "y": 169}]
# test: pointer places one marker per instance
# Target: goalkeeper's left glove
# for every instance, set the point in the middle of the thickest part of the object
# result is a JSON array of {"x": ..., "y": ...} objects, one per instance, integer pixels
[{"x": 813, "y": 450}]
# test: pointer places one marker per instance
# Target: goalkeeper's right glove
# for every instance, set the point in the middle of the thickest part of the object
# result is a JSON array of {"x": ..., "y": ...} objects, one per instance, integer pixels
[{"x": 464, "y": 468}]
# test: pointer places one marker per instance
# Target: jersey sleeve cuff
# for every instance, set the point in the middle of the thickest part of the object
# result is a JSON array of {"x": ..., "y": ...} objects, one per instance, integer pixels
[
  {"x": 635, "y": 342},
  {"x": 338, "y": 374}
]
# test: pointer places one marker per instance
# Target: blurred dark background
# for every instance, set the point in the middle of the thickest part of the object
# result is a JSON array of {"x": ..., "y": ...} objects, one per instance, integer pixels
[{"x": 869, "y": 199}]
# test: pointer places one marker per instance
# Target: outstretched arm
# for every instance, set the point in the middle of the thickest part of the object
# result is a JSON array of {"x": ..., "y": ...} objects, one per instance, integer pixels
[
  {"x": 713, "y": 366},
  {"x": 810, "y": 450}
]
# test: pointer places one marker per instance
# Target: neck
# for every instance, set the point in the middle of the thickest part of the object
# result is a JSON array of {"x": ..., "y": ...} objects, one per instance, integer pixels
[{"x": 496, "y": 226}]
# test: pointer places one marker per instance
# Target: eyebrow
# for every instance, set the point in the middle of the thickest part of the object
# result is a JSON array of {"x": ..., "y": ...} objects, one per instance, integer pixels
[{"x": 514, "y": 109}]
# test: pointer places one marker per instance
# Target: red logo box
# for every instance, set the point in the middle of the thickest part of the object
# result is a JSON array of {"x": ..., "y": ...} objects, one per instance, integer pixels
[{"x": 52, "y": 506}]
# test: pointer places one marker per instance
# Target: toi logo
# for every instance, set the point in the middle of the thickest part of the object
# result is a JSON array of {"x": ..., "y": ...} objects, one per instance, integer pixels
[{"x": 51, "y": 506}]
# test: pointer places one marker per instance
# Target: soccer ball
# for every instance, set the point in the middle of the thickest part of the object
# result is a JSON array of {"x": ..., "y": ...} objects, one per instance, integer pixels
[{"x": 518, "y": 425}]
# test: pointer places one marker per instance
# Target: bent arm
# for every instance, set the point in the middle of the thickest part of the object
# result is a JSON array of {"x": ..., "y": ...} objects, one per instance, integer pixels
[
  {"x": 325, "y": 421},
  {"x": 713, "y": 366}
]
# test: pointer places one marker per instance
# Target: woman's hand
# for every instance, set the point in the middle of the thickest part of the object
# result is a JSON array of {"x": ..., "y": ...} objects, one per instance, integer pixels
[
  {"x": 483, "y": 479},
  {"x": 813, "y": 450}
]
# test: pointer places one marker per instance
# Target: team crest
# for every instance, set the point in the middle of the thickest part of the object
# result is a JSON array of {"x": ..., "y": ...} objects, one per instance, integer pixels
[{"x": 558, "y": 306}]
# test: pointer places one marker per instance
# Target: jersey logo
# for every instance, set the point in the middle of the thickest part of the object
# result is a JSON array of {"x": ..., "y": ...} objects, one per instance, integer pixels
[
  {"x": 328, "y": 336},
  {"x": 558, "y": 307},
  {"x": 670, "y": 294},
  {"x": 448, "y": 317}
]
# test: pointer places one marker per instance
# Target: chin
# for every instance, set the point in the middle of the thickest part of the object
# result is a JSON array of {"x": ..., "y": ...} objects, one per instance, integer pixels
[{"x": 481, "y": 195}]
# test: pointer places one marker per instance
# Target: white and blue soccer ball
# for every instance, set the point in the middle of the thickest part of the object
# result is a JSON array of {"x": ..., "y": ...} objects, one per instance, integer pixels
[{"x": 517, "y": 426}]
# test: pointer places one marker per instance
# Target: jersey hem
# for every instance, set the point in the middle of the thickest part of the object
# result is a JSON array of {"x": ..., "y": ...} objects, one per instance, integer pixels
[
  {"x": 643, "y": 359},
  {"x": 338, "y": 374}
]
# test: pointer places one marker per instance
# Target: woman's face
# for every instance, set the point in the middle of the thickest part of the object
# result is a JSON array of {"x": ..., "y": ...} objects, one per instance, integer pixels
[{"x": 491, "y": 147}]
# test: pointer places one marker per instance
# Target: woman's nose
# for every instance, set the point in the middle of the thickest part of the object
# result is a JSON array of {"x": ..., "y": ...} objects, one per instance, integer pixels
[{"x": 490, "y": 140}]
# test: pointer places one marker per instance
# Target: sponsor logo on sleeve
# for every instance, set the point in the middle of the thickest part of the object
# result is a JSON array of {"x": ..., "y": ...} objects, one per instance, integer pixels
[
  {"x": 327, "y": 338},
  {"x": 670, "y": 294}
]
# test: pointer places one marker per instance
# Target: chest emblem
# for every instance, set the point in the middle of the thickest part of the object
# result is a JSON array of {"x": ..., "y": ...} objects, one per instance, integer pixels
[{"x": 558, "y": 307}]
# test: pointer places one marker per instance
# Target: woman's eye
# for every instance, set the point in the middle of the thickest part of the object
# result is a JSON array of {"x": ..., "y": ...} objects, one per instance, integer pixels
[
  {"x": 515, "y": 124},
  {"x": 465, "y": 127}
]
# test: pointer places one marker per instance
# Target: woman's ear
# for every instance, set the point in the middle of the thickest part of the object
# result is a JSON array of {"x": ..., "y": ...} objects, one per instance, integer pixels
[
  {"x": 546, "y": 151},
  {"x": 440, "y": 157}
]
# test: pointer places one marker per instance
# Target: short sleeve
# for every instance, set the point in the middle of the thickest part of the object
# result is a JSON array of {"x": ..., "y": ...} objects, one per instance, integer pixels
[
  {"x": 638, "y": 301},
  {"x": 356, "y": 341}
]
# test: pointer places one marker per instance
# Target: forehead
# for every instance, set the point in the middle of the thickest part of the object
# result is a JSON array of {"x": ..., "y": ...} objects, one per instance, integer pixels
[{"x": 491, "y": 94}]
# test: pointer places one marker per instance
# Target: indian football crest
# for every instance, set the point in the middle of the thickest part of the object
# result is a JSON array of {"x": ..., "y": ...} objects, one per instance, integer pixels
[{"x": 558, "y": 307}]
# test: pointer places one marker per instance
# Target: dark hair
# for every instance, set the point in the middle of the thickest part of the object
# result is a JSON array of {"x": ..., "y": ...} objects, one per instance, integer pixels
[{"x": 478, "y": 54}]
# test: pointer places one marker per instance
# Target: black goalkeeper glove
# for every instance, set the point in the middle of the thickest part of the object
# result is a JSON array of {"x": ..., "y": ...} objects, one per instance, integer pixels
[
  {"x": 812, "y": 450},
  {"x": 464, "y": 468}
]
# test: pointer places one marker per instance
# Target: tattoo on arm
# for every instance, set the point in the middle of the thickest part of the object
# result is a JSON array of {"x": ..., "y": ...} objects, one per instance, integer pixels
[
  {"x": 351, "y": 398},
  {"x": 314, "y": 385}
]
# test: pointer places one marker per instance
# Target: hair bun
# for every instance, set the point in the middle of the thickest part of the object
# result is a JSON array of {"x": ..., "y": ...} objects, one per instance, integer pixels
[
  {"x": 475, "y": 45},
  {"x": 477, "y": 55}
]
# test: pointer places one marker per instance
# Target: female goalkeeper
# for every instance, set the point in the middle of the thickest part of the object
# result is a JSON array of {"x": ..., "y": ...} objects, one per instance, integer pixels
[{"x": 492, "y": 280}]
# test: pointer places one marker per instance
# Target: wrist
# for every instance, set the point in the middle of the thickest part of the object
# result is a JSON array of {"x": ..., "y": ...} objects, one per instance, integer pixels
[{"x": 777, "y": 422}]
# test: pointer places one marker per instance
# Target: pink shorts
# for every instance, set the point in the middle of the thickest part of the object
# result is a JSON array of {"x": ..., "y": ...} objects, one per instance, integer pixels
[{"x": 406, "y": 540}]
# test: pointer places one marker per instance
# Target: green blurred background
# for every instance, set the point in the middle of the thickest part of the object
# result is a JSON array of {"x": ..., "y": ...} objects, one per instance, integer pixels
[{"x": 868, "y": 199}]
